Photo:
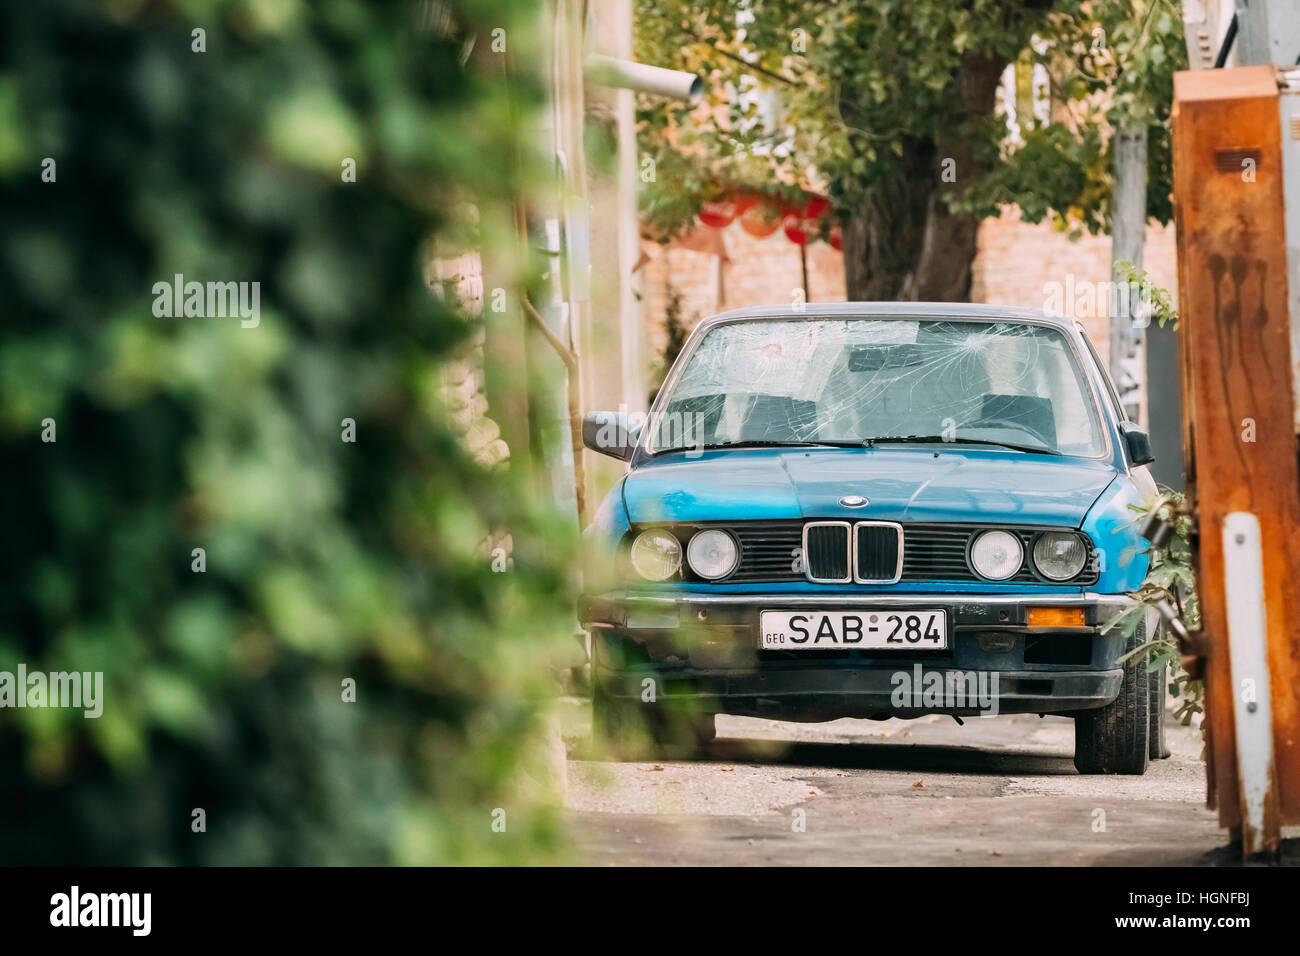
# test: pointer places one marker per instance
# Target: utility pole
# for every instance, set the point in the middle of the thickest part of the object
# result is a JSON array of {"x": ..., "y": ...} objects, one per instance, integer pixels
[
  {"x": 1128, "y": 239},
  {"x": 1205, "y": 24}
]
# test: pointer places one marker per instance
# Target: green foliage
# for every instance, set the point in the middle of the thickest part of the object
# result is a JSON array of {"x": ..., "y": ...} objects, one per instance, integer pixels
[
  {"x": 1056, "y": 174},
  {"x": 1162, "y": 307},
  {"x": 325, "y": 560},
  {"x": 1111, "y": 65},
  {"x": 844, "y": 97},
  {"x": 1170, "y": 579}
]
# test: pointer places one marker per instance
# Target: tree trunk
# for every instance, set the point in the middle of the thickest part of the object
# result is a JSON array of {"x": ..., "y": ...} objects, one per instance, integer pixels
[
  {"x": 1128, "y": 231},
  {"x": 904, "y": 243}
]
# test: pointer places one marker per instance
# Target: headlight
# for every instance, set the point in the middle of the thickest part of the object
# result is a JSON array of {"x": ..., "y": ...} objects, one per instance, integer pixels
[
  {"x": 1059, "y": 555},
  {"x": 712, "y": 554},
  {"x": 656, "y": 554},
  {"x": 997, "y": 555}
]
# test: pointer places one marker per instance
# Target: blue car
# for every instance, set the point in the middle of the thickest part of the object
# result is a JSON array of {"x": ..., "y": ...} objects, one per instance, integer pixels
[{"x": 874, "y": 510}]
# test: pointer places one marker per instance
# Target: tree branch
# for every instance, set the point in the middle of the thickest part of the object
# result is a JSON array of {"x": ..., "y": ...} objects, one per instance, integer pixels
[{"x": 567, "y": 355}]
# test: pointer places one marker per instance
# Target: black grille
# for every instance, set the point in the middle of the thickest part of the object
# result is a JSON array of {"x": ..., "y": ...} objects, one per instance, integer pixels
[
  {"x": 939, "y": 552},
  {"x": 877, "y": 546},
  {"x": 771, "y": 551},
  {"x": 827, "y": 551}
]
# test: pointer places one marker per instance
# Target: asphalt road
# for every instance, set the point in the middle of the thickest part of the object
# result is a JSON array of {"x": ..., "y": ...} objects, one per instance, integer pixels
[{"x": 997, "y": 791}]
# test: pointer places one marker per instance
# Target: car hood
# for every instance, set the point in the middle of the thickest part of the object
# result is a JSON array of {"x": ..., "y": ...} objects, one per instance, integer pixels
[{"x": 915, "y": 483}]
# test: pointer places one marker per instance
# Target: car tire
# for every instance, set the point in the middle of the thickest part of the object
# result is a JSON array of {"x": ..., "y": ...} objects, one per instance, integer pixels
[
  {"x": 700, "y": 728},
  {"x": 680, "y": 734},
  {"x": 1159, "y": 746},
  {"x": 1116, "y": 738},
  {"x": 631, "y": 730},
  {"x": 619, "y": 728}
]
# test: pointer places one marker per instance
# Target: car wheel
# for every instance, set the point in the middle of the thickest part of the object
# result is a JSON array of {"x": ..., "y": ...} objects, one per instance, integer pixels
[
  {"x": 1116, "y": 738},
  {"x": 632, "y": 730},
  {"x": 1159, "y": 747},
  {"x": 679, "y": 732},
  {"x": 619, "y": 728},
  {"x": 687, "y": 730}
]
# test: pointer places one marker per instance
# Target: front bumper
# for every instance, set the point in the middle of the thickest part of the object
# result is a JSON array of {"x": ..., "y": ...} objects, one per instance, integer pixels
[{"x": 705, "y": 647}]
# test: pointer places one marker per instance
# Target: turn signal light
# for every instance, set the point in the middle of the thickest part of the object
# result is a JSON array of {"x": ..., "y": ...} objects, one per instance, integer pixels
[{"x": 1055, "y": 617}]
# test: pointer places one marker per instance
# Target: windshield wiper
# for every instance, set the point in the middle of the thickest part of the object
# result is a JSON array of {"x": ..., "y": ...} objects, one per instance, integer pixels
[
  {"x": 865, "y": 443},
  {"x": 940, "y": 439},
  {"x": 768, "y": 443}
]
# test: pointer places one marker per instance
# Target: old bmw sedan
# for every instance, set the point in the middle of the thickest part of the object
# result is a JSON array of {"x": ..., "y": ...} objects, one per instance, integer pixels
[{"x": 874, "y": 510}]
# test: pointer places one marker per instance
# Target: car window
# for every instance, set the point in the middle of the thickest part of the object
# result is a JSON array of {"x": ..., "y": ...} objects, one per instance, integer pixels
[
  {"x": 846, "y": 380},
  {"x": 1111, "y": 392}
]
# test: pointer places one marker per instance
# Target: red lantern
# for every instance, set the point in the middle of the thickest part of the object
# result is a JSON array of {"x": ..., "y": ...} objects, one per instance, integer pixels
[
  {"x": 761, "y": 219},
  {"x": 718, "y": 215},
  {"x": 793, "y": 224},
  {"x": 799, "y": 224},
  {"x": 836, "y": 237}
]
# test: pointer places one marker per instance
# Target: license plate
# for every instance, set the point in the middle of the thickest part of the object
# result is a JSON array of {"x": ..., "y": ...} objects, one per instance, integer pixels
[{"x": 844, "y": 630}]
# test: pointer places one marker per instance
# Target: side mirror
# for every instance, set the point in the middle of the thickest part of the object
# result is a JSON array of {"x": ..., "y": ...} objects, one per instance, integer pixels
[
  {"x": 609, "y": 434},
  {"x": 1137, "y": 443}
]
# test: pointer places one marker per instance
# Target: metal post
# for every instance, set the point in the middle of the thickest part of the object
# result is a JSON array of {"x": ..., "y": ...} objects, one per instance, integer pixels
[
  {"x": 1165, "y": 406},
  {"x": 1243, "y": 584},
  {"x": 803, "y": 268}
]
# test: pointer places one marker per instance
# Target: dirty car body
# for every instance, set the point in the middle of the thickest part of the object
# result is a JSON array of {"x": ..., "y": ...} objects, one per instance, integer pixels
[{"x": 873, "y": 510}]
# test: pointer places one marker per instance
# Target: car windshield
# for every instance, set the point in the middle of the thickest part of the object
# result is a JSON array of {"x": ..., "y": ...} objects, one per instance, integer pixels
[{"x": 854, "y": 381}]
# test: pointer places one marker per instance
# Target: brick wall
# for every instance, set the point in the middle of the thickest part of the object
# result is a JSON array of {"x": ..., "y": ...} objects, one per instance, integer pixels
[
  {"x": 755, "y": 272},
  {"x": 460, "y": 278},
  {"x": 1014, "y": 266},
  {"x": 1017, "y": 260}
]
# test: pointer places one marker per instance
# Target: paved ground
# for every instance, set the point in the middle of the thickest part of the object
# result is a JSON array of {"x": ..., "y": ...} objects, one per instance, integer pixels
[{"x": 926, "y": 792}]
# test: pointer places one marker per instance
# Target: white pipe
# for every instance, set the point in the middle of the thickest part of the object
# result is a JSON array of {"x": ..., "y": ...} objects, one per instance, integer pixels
[{"x": 627, "y": 75}]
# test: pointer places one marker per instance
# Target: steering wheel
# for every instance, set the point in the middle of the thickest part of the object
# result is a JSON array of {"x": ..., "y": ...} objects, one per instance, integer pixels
[{"x": 1016, "y": 425}]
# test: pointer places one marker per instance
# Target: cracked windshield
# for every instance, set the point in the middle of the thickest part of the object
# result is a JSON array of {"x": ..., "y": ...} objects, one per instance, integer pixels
[{"x": 846, "y": 381}]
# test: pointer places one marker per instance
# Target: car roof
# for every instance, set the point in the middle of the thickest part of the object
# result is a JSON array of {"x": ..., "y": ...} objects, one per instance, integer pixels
[{"x": 892, "y": 310}]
